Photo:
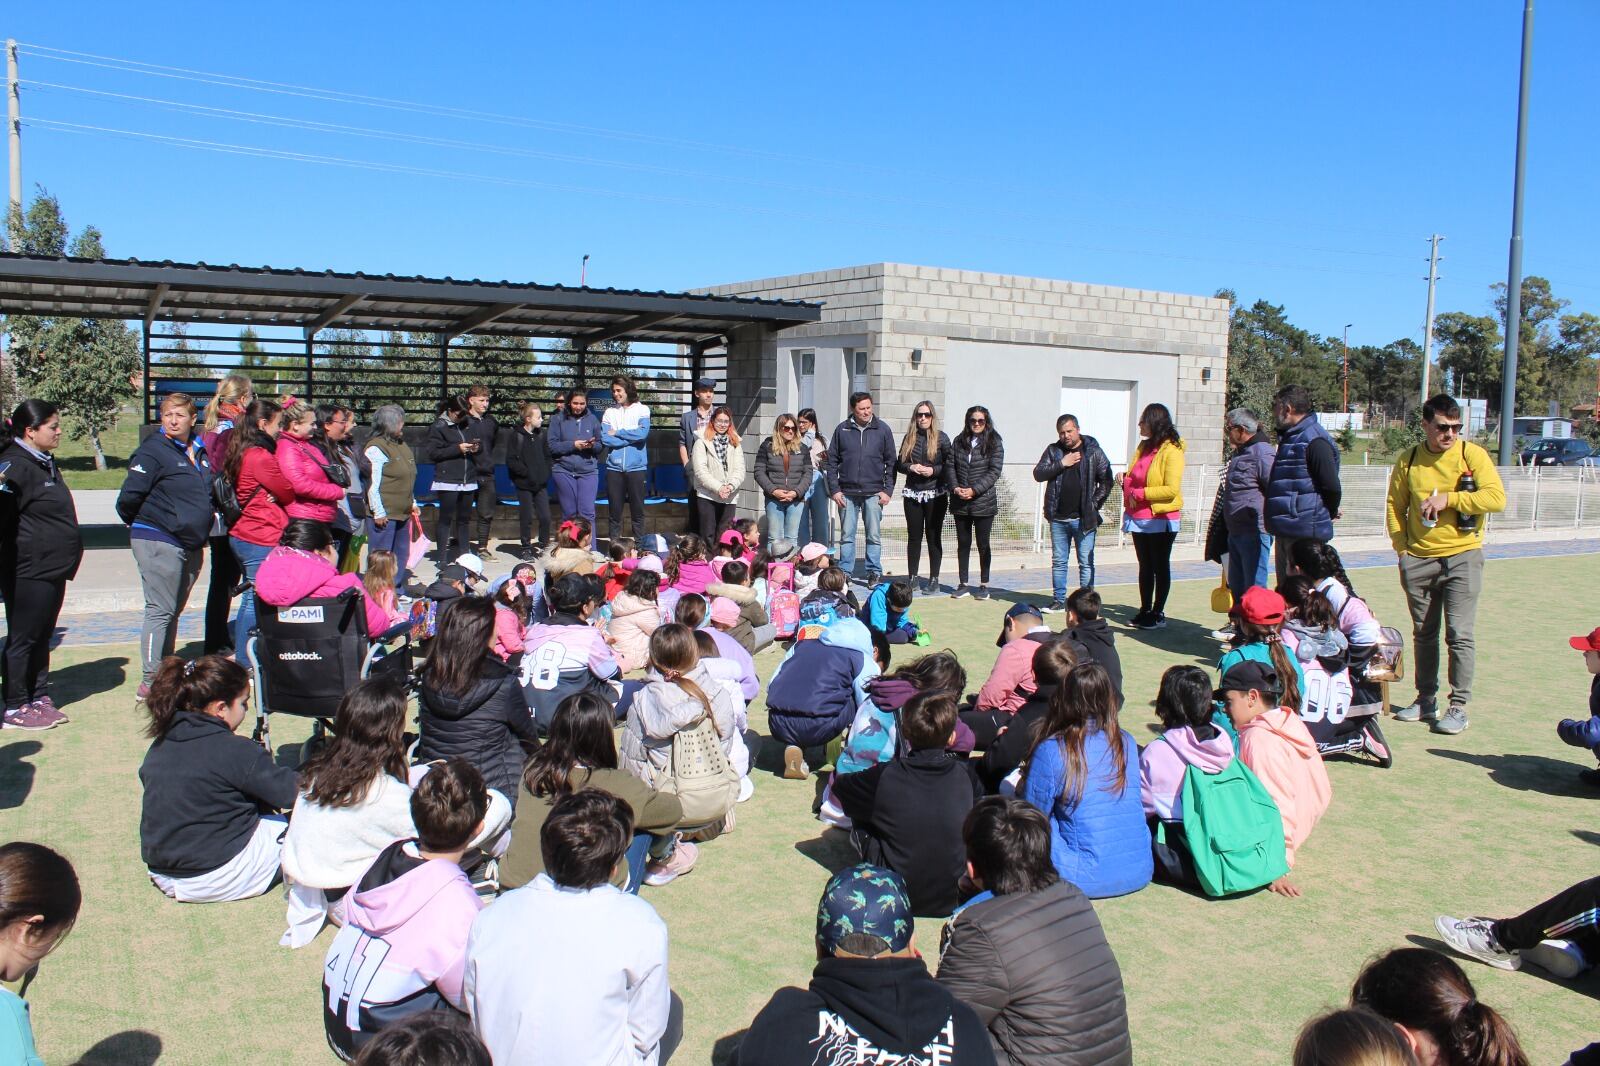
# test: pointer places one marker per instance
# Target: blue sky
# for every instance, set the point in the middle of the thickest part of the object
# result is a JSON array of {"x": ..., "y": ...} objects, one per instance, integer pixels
[{"x": 1297, "y": 152}]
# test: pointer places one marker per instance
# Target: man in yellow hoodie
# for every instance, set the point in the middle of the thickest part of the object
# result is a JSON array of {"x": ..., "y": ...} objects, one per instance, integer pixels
[{"x": 1439, "y": 493}]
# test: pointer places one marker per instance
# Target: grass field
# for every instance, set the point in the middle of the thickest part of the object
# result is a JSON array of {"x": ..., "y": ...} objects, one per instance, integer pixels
[
  {"x": 77, "y": 456},
  {"x": 1488, "y": 822}
]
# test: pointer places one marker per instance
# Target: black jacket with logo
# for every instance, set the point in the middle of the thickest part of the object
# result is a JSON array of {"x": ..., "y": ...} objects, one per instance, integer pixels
[
  {"x": 39, "y": 537},
  {"x": 165, "y": 490}
]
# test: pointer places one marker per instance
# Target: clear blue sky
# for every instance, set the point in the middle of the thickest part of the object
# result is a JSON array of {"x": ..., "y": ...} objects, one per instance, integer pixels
[{"x": 1297, "y": 152}]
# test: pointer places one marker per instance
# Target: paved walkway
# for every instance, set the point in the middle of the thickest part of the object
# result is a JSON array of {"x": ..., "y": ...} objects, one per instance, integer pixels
[{"x": 122, "y": 627}]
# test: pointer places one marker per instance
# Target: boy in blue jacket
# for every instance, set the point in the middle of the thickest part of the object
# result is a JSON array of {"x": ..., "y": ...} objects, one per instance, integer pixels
[
  {"x": 814, "y": 694},
  {"x": 885, "y": 611},
  {"x": 1586, "y": 733}
]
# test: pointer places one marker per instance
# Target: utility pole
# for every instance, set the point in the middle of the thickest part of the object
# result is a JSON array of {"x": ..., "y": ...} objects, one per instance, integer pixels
[
  {"x": 14, "y": 124},
  {"x": 1427, "y": 329},
  {"x": 1347, "y": 326},
  {"x": 1508, "y": 378},
  {"x": 583, "y": 272}
]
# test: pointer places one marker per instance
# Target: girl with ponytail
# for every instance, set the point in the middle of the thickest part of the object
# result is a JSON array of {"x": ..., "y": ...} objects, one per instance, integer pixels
[
  {"x": 201, "y": 833},
  {"x": 572, "y": 553},
  {"x": 1258, "y": 636},
  {"x": 678, "y": 694},
  {"x": 1436, "y": 1009}
]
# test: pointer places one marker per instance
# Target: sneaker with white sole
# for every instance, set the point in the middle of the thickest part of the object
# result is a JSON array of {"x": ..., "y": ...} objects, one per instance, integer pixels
[
  {"x": 1055, "y": 607},
  {"x": 1474, "y": 938},
  {"x": 794, "y": 764},
  {"x": 960, "y": 591},
  {"x": 674, "y": 866},
  {"x": 29, "y": 717},
  {"x": 1558, "y": 958},
  {"x": 747, "y": 788},
  {"x": 1420, "y": 710},
  {"x": 1453, "y": 722}
]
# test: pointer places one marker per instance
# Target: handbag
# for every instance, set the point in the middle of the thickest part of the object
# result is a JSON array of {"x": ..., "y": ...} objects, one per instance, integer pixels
[
  {"x": 420, "y": 544},
  {"x": 337, "y": 473},
  {"x": 700, "y": 775},
  {"x": 1222, "y": 597}
]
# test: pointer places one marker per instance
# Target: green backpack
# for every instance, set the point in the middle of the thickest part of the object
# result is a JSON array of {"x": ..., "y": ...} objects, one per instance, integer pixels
[{"x": 1234, "y": 830}]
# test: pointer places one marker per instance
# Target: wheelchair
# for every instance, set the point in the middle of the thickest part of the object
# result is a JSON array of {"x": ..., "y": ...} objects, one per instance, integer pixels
[{"x": 304, "y": 658}]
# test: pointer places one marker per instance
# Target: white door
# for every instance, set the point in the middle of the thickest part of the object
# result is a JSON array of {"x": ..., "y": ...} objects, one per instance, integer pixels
[{"x": 1104, "y": 410}]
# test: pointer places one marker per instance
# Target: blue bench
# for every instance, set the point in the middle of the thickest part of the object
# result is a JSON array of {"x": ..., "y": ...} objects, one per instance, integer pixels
[{"x": 666, "y": 484}]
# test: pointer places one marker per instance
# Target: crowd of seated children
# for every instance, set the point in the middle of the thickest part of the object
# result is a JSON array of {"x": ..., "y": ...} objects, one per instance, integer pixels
[
  {"x": 818, "y": 688},
  {"x": 402, "y": 950},
  {"x": 598, "y": 991},
  {"x": 202, "y": 833},
  {"x": 566, "y": 653},
  {"x": 906, "y": 813},
  {"x": 470, "y": 705},
  {"x": 304, "y": 565},
  {"x": 635, "y": 614},
  {"x": 1011, "y": 679},
  {"x": 726, "y": 673},
  {"x": 1082, "y": 775},
  {"x": 887, "y": 610},
  {"x": 1092, "y": 636},
  {"x": 580, "y": 753},
  {"x": 754, "y": 630},
  {"x": 1052, "y": 662},
  {"x": 354, "y": 801},
  {"x": 694, "y": 610},
  {"x": 1275, "y": 744}
]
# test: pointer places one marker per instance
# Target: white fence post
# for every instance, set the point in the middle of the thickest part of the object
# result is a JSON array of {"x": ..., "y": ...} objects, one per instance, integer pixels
[
  {"x": 1199, "y": 523},
  {"x": 1038, "y": 517},
  {"x": 1534, "y": 522}
]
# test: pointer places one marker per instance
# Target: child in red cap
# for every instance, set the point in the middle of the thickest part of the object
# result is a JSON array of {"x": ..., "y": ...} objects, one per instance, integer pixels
[
  {"x": 1586, "y": 734},
  {"x": 1258, "y": 620}
]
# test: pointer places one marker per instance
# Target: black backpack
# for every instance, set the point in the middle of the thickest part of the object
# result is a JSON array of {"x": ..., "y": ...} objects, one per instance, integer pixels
[{"x": 225, "y": 498}]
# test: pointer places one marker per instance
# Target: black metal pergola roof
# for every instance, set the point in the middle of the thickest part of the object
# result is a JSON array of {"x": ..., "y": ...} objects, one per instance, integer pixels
[{"x": 312, "y": 301}]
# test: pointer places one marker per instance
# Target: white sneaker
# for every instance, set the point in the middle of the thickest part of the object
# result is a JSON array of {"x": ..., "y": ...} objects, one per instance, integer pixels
[
  {"x": 747, "y": 788},
  {"x": 1558, "y": 958},
  {"x": 1474, "y": 938}
]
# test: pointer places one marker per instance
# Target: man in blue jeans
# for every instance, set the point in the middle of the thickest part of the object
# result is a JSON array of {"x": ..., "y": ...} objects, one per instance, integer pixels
[
  {"x": 860, "y": 469},
  {"x": 1077, "y": 479},
  {"x": 1243, "y": 508}
]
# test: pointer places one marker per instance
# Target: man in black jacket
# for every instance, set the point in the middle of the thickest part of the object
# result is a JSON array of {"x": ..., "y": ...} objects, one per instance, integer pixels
[
  {"x": 860, "y": 469},
  {"x": 482, "y": 427},
  {"x": 1077, "y": 477},
  {"x": 871, "y": 998},
  {"x": 1028, "y": 954}
]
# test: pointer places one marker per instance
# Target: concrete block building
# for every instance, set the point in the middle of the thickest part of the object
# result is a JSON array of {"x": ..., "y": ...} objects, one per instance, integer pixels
[{"x": 1029, "y": 349}]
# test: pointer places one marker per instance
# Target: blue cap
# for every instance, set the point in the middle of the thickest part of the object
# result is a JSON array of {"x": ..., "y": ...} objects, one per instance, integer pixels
[{"x": 865, "y": 910}]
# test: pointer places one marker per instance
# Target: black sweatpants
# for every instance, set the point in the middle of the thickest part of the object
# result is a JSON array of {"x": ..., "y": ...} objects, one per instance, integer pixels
[
  {"x": 1571, "y": 914},
  {"x": 985, "y": 725},
  {"x": 965, "y": 527},
  {"x": 1154, "y": 552},
  {"x": 225, "y": 574},
  {"x": 630, "y": 484},
  {"x": 925, "y": 520},
  {"x": 529, "y": 503},
  {"x": 488, "y": 499},
  {"x": 712, "y": 517},
  {"x": 454, "y": 524},
  {"x": 32, "y": 608}
]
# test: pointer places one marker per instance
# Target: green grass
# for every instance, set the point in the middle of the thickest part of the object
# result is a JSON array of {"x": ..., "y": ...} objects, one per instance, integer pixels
[
  {"x": 1485, "y": 823},
  {"x": 76, "y": 457}
]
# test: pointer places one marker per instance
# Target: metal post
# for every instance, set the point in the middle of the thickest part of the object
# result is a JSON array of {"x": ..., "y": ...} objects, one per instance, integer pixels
[
  {"x": 1508, "y": 384},
  {"x": 146, "y": 388},
  {"x": 1200, "y": 494},
  {"x": 1427, "y": 328},
  {"x": 1347, "y": 326},
  {"x": 444, "y": 368},
  {"x": 14, "y": 124},
  {"x": 1533, "y": 522},
  {"x": 310, "y": 371}
]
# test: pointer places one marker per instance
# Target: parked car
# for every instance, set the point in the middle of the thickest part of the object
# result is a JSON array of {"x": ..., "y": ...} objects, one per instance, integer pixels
[{"x": 1555, "y": 451}]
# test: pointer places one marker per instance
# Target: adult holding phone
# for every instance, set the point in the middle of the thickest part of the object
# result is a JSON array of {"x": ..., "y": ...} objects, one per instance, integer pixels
[
  {"x": 625, "y": 433},
  {"x": 718, "y": 462},
  {"x": 452, "y": 451},
  {"x": 166, "y": 502},
  {"x": 482, "y": 427},
  {"x": 576, "y": 447},
  {"x": 40, "y": 549},
  {"x": 978, "y": 458}
]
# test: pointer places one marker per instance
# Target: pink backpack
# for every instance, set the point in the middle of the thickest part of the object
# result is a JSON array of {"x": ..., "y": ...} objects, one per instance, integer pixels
[
  {"x": 783, "y": 608},
  {"x": 780, "y": 576}
]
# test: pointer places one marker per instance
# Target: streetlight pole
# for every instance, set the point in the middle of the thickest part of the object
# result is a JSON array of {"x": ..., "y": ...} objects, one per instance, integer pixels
[
  {"x": 583, "y": 272},
  {"x": 1347, "y": 326},
  {"x": 1508, "y": 379}
]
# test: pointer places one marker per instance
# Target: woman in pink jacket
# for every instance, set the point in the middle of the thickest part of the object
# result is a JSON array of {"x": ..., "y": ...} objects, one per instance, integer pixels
[
  {"x": 305, "y": 464},
  {"x": 302, "y": 567}
]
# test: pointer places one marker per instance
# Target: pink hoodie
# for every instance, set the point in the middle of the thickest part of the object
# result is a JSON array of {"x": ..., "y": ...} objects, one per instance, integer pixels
[
  {"x": 694, "y": 576},
  {"x": 508, "y": 633},
  {"x": 289, "y": 575},
  {"x": 1013, "y": 670},
  {"x": 314, "y": 495},
  {"x": 1277, "y": 746},
  {"x": 1163, "y": 763}
]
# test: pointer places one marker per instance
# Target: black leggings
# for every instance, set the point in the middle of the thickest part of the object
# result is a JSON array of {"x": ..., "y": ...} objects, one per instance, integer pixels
[
  {"x": 630, "y": 484},
  {"x": 530, "y": 501},
  {"x": 1154, "y": 551},
  {"x": 225, "y": 574},
  {"x": 32, "y": 608},
  {"x": 714, "y": 517},
  {"x": 926, "y": 520},
  {"x": 1568, "y": 915},
  {"x": 965, "y": 524},
  {"x": 488, "y": 497},
  {"x": 455, "y": 518}
]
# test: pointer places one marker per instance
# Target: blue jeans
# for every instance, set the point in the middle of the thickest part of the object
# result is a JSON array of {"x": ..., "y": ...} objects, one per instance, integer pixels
[
  {"x": 868, "y": 508},
  {"x": 250, "y": 558},
  {"x": 816, "y": 522},
  {"x": 783, "y": 520},
  {"x": 1249, "y": 561},
  {"x": 393, "y": 536},
  {"x": 638, "y": 853},
  {"x": 1065, "y": 533}
]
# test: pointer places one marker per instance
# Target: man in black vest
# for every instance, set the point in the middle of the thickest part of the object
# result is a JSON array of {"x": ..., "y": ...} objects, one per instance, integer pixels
[{"x": 1303, "y": 492}]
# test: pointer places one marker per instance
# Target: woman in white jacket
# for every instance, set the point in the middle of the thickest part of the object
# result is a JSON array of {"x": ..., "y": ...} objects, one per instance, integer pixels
[{"x": 718, "y": 462}]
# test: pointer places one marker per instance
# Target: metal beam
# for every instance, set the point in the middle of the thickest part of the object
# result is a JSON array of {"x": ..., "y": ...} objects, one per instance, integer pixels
[
  {"x": 623, "y": 327},
  {"x": 154, "y": 305},
  {"x": 339, "y": 307},
  {"x": 481, "y": 317}
]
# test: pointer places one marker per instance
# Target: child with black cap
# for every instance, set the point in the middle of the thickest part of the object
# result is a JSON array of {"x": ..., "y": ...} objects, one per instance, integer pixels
[{"x": 1276, "y": 745}]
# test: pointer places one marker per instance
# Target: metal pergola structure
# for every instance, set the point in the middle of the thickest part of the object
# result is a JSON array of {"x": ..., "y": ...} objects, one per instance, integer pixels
[{"x": 431, "y": 314}]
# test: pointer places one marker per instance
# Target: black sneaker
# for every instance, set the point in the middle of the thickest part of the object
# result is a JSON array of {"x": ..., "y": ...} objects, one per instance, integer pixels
[
  {"x": 1056, "y": 607},
  {"x": 982, "y": 593},
  {"x": 874, "y": 580},
  {"x": 961, "y": 590},
  {"x": 1139, "y": 619}
]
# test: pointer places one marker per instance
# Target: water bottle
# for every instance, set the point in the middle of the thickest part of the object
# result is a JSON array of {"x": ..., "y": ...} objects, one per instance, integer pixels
[{"x": 1467, "y": 523}]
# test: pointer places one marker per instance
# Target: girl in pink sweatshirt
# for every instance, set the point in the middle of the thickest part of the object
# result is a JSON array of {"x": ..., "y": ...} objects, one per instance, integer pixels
[{"x": 510, "y": 621}]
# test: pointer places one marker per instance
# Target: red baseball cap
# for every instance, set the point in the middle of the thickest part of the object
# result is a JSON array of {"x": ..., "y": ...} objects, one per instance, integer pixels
[
  {"x": 1588, "y": 643},
  {"x": 1261, "y": 606}
]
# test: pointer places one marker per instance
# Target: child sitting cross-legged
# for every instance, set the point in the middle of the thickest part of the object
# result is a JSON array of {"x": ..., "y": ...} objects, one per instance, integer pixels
[
  {"x": 886, "y": 610},
  {"x": 402, "y": 951},
  {"x": 817, "y": 690},
  {"x": 1275, "y": 744},
  {"x": 907, "y": 813}
]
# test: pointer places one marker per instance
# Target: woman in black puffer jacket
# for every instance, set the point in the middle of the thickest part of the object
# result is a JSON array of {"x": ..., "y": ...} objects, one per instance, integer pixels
[
  {"x": 924, "y": 459},
  {"x": 977, "y": 458},
  {"x": 472, "y": 706}
]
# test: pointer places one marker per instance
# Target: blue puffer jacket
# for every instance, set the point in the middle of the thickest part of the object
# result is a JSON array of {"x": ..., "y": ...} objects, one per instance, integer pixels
[
  {"x": 1244, "y": 494},
  {"x": 1101, "y": 843},
  {"x": 814, "y": 693},
  {"x": 1294, "y": 508}
]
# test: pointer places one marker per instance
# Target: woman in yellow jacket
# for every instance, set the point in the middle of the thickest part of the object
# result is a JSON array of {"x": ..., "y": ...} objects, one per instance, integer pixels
[{"x": 1152, "y": 506}]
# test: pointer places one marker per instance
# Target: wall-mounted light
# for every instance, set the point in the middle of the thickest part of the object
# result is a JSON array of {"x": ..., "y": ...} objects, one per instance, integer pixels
[
  {"x": 916, "y": 357},
  {"x": 1205, "y": 373}
]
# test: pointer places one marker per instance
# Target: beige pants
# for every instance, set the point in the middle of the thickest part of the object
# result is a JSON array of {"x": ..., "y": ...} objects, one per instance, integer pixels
[{"x": 1443, "y": 590}]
